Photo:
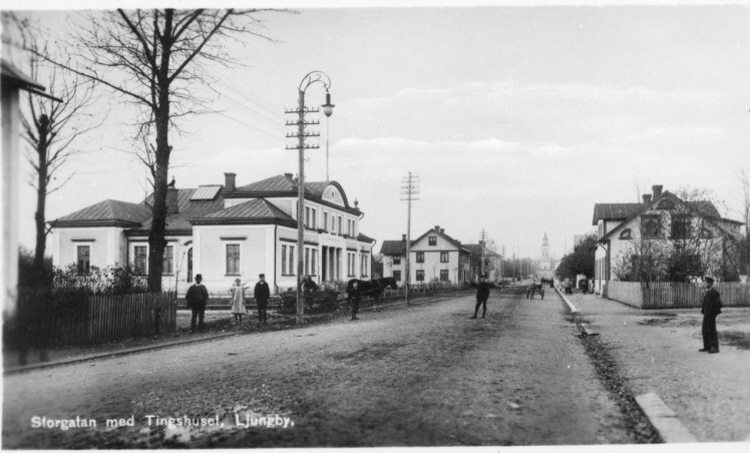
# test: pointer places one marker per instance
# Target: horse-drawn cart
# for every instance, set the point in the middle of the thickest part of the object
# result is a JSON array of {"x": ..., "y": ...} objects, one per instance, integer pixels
[
  {"x": 324, "y": 300},
  {"x": 534, "y": 288}
]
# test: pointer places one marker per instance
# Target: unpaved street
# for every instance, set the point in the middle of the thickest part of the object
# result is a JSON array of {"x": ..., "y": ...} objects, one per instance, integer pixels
[{"x": 417, "y": 376}]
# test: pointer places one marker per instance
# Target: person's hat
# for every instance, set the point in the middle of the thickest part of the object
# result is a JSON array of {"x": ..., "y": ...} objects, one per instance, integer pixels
[
  {"x": 237, "y": 280},
  {"x": 262, "y": 275},
  {"x": 708, "y": 279},
  {"x": 197, "y": 276}
]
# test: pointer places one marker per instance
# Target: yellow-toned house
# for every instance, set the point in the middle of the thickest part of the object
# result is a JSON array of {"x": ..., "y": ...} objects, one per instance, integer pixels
[{"x": 225, "y": 232}]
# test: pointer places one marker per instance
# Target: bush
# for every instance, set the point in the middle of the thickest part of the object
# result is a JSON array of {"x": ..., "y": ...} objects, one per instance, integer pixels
[{"x": 109, "y": 280}]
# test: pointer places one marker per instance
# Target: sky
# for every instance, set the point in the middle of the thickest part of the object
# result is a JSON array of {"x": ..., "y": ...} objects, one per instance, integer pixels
[{"x": 517, "y": 119}]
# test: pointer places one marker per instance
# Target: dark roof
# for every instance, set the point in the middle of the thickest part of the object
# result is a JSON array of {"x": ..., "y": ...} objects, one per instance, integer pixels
[
  {"x": 364, "y": 238},
  {"x": 185, "y": 204},
  {"x": 254, "y": 211},
  {"x": 615, "y": 211},
  {"x": 445, "y": 236},
  {"x": 393, "y": 248},
  {"x": 278, "y": 183},
  {"x": 106, "y": 213},
  {"x": 704, "y": 208},
  {"x": 16, "y": 76}
]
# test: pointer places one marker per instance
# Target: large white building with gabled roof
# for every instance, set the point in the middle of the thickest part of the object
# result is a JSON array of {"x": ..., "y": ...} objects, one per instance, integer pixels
[{"x": 224, "y": 232}]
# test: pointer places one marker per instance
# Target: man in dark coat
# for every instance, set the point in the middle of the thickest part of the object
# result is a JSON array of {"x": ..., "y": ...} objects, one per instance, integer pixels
[
  {"x": 483, "y": 293},
  {"x": 355, "y": 297},
  {"x": 711, "y": 309},
  {"x": 308, "y": 287},
  {"x": 197, "y": 298},
  {"x": 262, "y": 294}
]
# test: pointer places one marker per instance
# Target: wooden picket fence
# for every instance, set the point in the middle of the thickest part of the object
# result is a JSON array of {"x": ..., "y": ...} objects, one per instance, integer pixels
[
  {"x": 87, "y": 319},
  {"x": 659, "y": 295}
]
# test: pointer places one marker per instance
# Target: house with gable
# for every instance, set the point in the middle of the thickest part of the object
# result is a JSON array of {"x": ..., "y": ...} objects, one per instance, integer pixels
[
  {"x": 635, "y": 240},
  {"x": 225, "y": 232},
  {"x": 434, "y": 256}
]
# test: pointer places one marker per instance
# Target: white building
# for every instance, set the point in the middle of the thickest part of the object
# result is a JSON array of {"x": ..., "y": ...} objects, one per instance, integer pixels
[
  {"x": 225, "y": 232},
  {"x": 434, "y": 256}
]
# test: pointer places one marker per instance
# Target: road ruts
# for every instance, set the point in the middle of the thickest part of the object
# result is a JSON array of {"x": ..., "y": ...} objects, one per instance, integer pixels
[{"x": 417, "y": 376}]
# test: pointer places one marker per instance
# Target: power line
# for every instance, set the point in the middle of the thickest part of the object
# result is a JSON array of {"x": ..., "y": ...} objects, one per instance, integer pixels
[{"x": 410, "y": 190}]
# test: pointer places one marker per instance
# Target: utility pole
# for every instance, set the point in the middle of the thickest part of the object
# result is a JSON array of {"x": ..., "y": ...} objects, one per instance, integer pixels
[
  {"x": 301, "y": 135},
  {"x": 481, "y": 264},
  {"x": 409, "y": 192}
]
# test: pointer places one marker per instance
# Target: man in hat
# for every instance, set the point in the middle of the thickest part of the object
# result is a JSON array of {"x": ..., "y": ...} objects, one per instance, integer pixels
[
  {"x": 483, "y": 293},
  {"x": 262, "y": 294},
  {"x": 197, "y": 298},
  {"x": 711, "y": 309}
]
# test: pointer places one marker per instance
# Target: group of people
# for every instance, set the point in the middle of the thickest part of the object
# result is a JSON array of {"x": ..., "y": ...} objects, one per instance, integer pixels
[{"x": 197, "y": 299}]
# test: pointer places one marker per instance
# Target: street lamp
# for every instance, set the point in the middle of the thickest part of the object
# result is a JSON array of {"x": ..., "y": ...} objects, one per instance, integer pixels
[{"x": 309, "y": 79}]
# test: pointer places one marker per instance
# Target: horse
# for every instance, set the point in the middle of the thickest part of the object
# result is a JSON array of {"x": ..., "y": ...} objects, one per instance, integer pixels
[{"x": 373, "y": 288}]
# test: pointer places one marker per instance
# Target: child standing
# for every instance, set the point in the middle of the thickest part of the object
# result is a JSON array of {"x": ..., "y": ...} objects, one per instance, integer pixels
[{"x": 238, "y": 300}]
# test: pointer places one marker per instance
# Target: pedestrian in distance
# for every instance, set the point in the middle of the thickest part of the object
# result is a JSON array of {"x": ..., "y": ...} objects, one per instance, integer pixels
[
  {"x": 483, "y": 293},
  {"x": 238, "y": 300},
  {"x": 711, "y": 309},
  {"x": 355, "y": 297},
  {"x": 262, "y": 293},
  {"x": 197, "y": 298}
]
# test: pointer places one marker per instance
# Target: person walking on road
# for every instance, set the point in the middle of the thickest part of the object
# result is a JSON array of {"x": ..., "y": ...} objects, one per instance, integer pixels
[
  {"x": 262, "y": 293},
  {"x": 355, "y": 297},
  {"x": 483, "y": 293},
  {"x": 197, "y": 298},
  {"x": 711, "y": 309},
  {"x": 238, "y": 300}
]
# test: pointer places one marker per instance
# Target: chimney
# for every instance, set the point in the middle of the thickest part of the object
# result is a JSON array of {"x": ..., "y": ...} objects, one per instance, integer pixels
[
  {"x": 442, "y": 230},
  {"x": 171, "y": 200},
  {"x": 229, "y": 183},
  {"x": 646, "y": 198},
  {"x": 437, "y": 227},
  {"x": 657, "y": 191},
  {"x": 403, "y": 237},
  {"x": 288, "y": 175}
]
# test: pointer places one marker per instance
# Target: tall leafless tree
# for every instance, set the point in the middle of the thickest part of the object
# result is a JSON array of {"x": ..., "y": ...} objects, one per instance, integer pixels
[
  {"x": 745, "y": 181},
  {"x": 154, "y": 59}
]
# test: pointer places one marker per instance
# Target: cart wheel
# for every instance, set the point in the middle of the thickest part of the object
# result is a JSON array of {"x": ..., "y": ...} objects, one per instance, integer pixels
[{"x": 289, "y": 305}]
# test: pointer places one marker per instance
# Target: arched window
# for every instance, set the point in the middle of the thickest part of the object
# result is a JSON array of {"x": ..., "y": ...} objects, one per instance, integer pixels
[{"x": 627, "y": 233}]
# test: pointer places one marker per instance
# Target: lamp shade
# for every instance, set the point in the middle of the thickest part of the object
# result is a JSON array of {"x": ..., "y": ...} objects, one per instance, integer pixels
[{"x": 328, "y": 107}]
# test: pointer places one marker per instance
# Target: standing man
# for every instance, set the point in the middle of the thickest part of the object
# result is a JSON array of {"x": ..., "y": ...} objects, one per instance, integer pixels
[
  {"x": 483, "y": 293},
  {"x": 355, "y": 297},
  {"x": 262, "y": 294},
  {"x": 711, "y": 309},
  {"x": 197, "y": 298}
]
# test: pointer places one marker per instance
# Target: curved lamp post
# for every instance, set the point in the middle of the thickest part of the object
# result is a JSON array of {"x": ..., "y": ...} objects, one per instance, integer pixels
[{"x": 309, "y": 79}]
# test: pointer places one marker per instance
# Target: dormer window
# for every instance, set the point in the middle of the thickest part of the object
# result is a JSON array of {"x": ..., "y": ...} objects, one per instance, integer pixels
[
  {"x": 666, "y": 205},
  {"x": 432, "y": 240},
  {"x": 627, "y": 233}
]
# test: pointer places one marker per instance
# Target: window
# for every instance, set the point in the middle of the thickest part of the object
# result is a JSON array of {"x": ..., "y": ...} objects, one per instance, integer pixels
[
  {"x": 83, "y": 261},
  {"x": 283, "y": 260},
  {"x": 291, "y": 260},
  {"x": 420, "y": 275},
  {"x": 707, "y": 233},
  {"x": 680, "y": 226},
  {"x": 233, "y": 259},
  {"x": 333, "y": 223},
  {"x": 444, "y": 256},
  {"x": 397, "y": 260},
  {"x": 651, "y": 226},
  {"x": 432, "y": 240},
  {"x": 168, "y": 262},
  {"x": 397, "y": 275},
  {"x": 307, "y": 260},
  {"x": 314, "y": 218},
  {"x": 444, "y": 275},
  {"x": 351, "y": 260},
  {"x": 341, "y": 225},
  {"x": 140, "y": 259},
  {"x": 314, "y": 263},
  {"x": 307, "y": 216},
  {"x": 325, "y": 220},
  {"x": 420, "y": 257},
  {"x": 365, "y": 260},
  {"x": 627, "y": 233}
]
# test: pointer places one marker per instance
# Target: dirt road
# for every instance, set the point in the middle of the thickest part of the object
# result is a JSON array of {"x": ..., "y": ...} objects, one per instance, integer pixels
[{"x": 416, "y": 376}]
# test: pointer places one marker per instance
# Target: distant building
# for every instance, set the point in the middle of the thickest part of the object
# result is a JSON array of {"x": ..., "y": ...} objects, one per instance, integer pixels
[
  {"x": 546, "y": 263},
  {"x": 225, "y": 232},
  {"x": 492, "y": 268},
  {"x": 434, "y": 256}
]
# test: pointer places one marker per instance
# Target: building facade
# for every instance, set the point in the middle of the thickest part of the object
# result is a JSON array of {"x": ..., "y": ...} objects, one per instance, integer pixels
[
  {"x": 225, "y": 232},
  {"x": 434, "y": 257},
  {"x": 635, "y": 240}
]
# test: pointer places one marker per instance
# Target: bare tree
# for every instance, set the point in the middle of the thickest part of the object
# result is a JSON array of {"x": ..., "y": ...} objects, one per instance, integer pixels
[
  {"x": 745, "y": 181},
  {"x": 154, "y": 59}
]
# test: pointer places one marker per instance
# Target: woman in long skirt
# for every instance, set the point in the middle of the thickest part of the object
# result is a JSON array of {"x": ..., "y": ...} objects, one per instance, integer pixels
[{"x": 238, "y": 300}]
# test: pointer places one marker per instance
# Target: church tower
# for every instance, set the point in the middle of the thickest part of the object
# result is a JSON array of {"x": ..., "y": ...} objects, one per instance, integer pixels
[{"x": 545, "y": 263}]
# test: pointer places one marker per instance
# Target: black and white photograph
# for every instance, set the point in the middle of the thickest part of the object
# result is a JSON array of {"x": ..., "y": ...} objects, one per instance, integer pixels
[{"x": 494, "y": 225}]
